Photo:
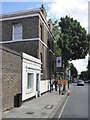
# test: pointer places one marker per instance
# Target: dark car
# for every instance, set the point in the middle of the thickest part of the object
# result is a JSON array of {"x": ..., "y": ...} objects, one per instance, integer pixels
[
  {"x": 86, "y": 81},
  {"x": 80, "y": 83}
]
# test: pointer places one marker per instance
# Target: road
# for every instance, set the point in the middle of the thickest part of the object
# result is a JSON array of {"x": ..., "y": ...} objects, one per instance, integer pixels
[{"x": 77, "y": 103}]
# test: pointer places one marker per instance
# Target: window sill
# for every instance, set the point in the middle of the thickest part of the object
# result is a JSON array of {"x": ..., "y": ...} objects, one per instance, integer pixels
[{"x": 29, "y": 91}]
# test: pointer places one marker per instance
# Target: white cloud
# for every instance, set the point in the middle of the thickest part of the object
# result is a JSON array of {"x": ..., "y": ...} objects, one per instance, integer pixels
[
  {"x": 78, "y": 9},
  {"x": 81, "y": 64}
]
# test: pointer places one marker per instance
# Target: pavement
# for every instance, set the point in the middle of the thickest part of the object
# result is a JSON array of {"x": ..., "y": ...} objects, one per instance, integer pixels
[{"x": 45, "y": 106}]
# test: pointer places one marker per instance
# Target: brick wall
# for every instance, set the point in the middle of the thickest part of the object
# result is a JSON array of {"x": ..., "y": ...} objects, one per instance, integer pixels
[
  {"x": 47, "y": 62},
  {"x": 11, "y": 77},
  {"x": 0, "y": 84},
  {"x": 31, "y": 29},
  {"x": 29, "y": 26},
  {"x": 48, "y": 57},
  {"x": 29, "y": 47}
]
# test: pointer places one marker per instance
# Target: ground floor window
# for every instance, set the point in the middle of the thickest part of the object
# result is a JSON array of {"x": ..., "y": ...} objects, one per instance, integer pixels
[{"x": 30, "y": 80}]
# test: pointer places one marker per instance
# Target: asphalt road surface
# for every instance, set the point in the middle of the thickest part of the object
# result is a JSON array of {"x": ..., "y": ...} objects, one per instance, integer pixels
[{"x": 77, "y": 104}]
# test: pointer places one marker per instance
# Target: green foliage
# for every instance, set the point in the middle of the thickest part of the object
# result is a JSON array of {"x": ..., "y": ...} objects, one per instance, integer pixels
[
  {"x": 88, "y": 37},
  {"x": 73, "y": 40},
  {"x": 56, "y": 36},
  {"x": 74, "y": 72},
  {"x": 56, "y": 33},
  {"x": 84, "y": 75}
]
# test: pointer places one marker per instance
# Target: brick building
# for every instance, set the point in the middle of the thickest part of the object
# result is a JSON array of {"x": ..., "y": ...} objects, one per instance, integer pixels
[{"x": 28, "y": 32}]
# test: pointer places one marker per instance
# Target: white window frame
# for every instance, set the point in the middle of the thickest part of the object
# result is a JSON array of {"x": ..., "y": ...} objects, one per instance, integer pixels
[
  {"x": 32, "y": 88},
  {"x": 13, "y": 32}
]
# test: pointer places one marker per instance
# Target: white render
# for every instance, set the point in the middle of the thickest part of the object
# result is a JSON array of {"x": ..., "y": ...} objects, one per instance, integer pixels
[
  {"x": 30, "y": 65},
  {"x": 44, "y": 86}
]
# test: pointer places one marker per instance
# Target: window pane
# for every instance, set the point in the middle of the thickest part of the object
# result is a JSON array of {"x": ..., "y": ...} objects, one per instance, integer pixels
[
  {"x": 30, "y": 81},
  {"x": 41, "y": 34},
  {"x": 17, "y": 32}
]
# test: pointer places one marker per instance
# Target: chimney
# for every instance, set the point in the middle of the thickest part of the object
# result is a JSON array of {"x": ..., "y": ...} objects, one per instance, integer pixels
[
  {"x": 50, "y": 24},
  {"x": 43, "y": 11},
  {"x": 42, "y": 6}
]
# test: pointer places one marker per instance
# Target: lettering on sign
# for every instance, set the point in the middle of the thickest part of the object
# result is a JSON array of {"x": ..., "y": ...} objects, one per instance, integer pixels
[{"x": 62, "y": 81}]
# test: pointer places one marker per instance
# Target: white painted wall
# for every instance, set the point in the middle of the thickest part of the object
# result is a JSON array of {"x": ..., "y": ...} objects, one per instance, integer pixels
[
  {"x": 32, "y": 65},
  {"x": 44, "y": 85},
  {"x": 29, "y": 65}
]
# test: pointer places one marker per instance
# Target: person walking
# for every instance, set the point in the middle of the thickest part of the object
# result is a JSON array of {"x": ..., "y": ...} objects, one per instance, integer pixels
[
  {"x": 51, "y": 85},
  {"x": 56, "y": 85}
]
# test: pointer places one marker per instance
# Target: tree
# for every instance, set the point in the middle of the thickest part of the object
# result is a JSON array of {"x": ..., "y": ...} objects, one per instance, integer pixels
[
  {"x": 56, "y": 33},
  {"x": 84, "y": 75},
  {"x": 88, "y": 37},
  {"x": 74, "y": 72},
  {"x": 73, "y": 39},
  {"x": 57, "y": 50}
]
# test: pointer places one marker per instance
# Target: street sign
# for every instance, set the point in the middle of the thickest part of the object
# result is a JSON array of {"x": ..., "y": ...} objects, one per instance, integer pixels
[
  {"x": 69, "y": 73},
  {"x": 59, "y": 62},
  {"x": 62, "y": 82}
]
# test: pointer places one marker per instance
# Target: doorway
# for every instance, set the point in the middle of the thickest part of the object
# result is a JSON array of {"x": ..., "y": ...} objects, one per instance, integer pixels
[{"x": 37, "y": 85}]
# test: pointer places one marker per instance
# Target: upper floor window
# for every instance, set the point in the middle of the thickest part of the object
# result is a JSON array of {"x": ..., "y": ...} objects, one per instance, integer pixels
[
  {"x": 41, "y": 33},
  {"x": 41, "y": 57},
  {"x": 48, "y": 44},
  {"x": 17, "y": 32},
  {"x": 52, "y": 46}
]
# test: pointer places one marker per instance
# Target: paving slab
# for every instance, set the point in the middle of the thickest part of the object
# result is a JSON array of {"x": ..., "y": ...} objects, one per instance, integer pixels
[{"x": 41, "y": 107}]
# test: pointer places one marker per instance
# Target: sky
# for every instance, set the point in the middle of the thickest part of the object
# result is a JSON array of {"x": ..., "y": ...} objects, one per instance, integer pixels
[{"x": 78, "y": 9}]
